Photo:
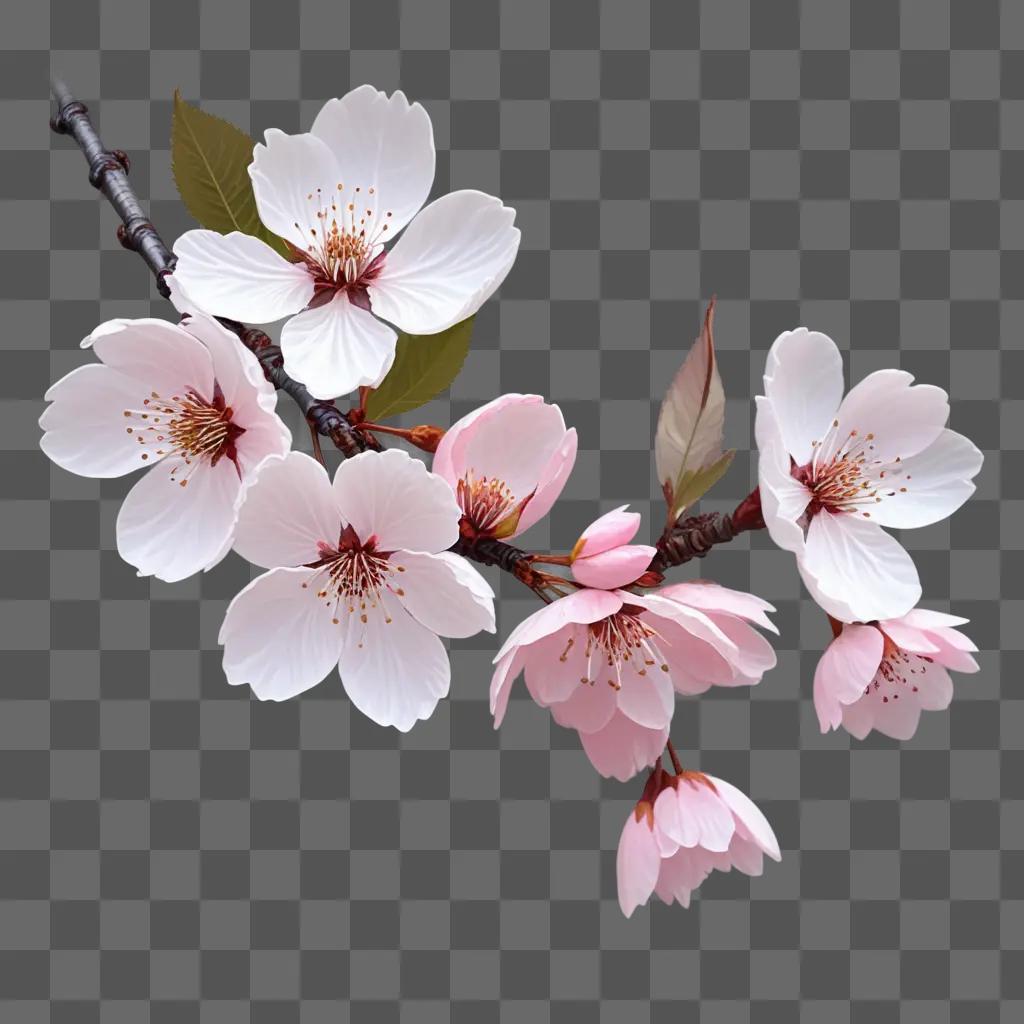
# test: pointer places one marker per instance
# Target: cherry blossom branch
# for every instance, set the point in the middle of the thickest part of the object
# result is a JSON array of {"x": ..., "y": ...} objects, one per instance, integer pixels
[{"x": 108, "y": 172}]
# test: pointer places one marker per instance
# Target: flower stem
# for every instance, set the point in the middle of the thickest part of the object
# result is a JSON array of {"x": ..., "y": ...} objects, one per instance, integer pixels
[{"x": 677, "y": 766}]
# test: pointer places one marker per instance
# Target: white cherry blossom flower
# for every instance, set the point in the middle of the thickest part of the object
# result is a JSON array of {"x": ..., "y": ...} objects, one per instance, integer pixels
[
  {"x": 189, "y": 404},
  {"x": 338, "y": 195},
  {"x": 833, "y": 471},
  {"x": 360, "y": 579}
]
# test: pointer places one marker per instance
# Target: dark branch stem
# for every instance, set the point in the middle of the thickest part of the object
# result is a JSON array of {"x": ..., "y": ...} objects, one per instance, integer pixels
[{"x": 108, "y": 172}]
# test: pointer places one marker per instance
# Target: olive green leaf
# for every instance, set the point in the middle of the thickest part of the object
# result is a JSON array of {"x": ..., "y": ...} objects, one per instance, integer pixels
[
  {"x": 210, "y": 159},
  {"x": 688, "y": 442},
  {"x": 425, "y": 364}
]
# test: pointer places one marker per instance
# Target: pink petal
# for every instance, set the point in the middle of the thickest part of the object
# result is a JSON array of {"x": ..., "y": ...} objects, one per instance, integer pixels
[
  {"x": 711, "y": 815},
  {"x": 287, "y": 512},
  {"x": 501, "y": 683},
  {"x": 615, "y": 568},
  {"x": 845, "y": 669},
  {"x": 449, "y": 461},
  {"x": 448, "y": 263},
  {"x": 711, "y": 597},
  {"x": 239, "y": 276},
  {"x": 637, "y": 864},
  {"x": 552, "y": 479},
  {"x": 751, "y": 822},
  {"x": 391, "y": 496},
  {"x": 277, "y": 637},
  {"x": 588, "y": 709},
  {"x": 622, "y": 748},
  {"x": 611, "y": 530},
  {"x": 803, "y": 379},
  {"x": 556, "y": 664},
  {"x": 646, "y": 699}
]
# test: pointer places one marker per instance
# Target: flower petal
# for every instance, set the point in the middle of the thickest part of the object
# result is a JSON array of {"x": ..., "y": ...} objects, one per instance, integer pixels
[
  {"x": 844, "y": 671},
  {"x": 393, "y": 669},
  {"x": 392, "y": 496},
  {"x": 556, "y": 665},
  {"x": 552, "y": 479},
  {"x": 295, "y": 181},
  {"x": 286, "y": 512},
  {"x": 505, "y": 673},
  {"x": 751, "y": 822},
  {"x": 449, "y": 262},
  {"x": 336, "y": 348},
  {"x": 85, "y": 430},
  {"x": 240, "y": 277},
  {"x": 754, "y": 654},
  {"x": 897, "y": 719},
  {"x": 589, "y": 708},
  {"x": 622, "y": 748},
  {"x": 277, "y": 637},
  {"x": 711, "y": 815},
  {"x": 646, "y": 699},
  {"x": 783, "y": 498},
  {"x": 583, "y": 607},
  {"x": 611, "y": 530},
  {"x": 712, "y": 597},
  {"x": 616, "y": 568},
  {"x": 803, "y": 380},
  {"x": 856, "y": 571},
  {"x": 381, "y": 142},
  {"x": 171, "y": 531},
  {"x": 905, "y": 418},
  {"x": 637, "y": 863},
  {"x": 444, "y": 593},
  {"x": 932, "y": 485}
]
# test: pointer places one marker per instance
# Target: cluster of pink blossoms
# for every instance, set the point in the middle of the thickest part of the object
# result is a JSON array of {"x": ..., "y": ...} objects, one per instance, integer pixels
[{"x": 361, "y": 570}]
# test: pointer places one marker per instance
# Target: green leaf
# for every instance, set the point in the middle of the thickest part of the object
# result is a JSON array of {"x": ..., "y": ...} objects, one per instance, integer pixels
[
  {"x": 424, "y": 366},
  {"x": 210, "y": 159},
  {"x": 692, "y": 485}
]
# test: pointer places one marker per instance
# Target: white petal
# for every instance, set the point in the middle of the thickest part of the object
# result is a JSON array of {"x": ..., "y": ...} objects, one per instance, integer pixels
[
  {"x": 637, "y": 863},
  {"x": 393, "y": 669},
  {"x": 783, "y": 498},
  {"x": 336, "y": 348},
  {"x": 931, "y": 485},
  {"x": 384, "y": 143},
  {"x": 905, "y": 418},
  {"x": 845, "y": 669},
  {"x": 803, "y": 379},
  {"x": 277, "y": 637},
  {"x": 393, "y": 497},
  {"x": 286, "y": 512},
  {"x": 240, "y": 277},
  {"x": 505, "y": 673},
  {"x": 444, "y": 593},
  {"x": 856, "y": 571},
  {"x": 169, "y": 531},
  {"x": 449, "y": 262},
  {"x": 85, "y": 425},
  {"x": 295, "y": 179}
]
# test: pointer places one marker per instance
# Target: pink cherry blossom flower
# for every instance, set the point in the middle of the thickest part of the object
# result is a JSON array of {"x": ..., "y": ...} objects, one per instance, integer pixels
[
  {"x": 507, "y": 462},
  {"x": 608, "y": 663},
  {"x": 189, "y": 404},
  {"x": 338, "y": 195},
  {"x": 360, "y": 579},
  {"x": 687, "y": 826},
  {"x": 604, "y": 558},
  {"x": 834, "y": 471},
  {"x": 883, "y": 675}
]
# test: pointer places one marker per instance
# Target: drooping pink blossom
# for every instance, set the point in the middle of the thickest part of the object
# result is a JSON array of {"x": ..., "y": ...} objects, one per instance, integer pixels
[
  {"x": 687, "y": 826},
  {"x": 883, "y": 675},
  {"x": 188, "y": 404},
  {"x": 507, "y": 463},
  {"x": 608, "y": 663},
  {"x": 360, "y": 580},
  {"x": 603, "y": 556},
  {"x": 833, "y": 471}
]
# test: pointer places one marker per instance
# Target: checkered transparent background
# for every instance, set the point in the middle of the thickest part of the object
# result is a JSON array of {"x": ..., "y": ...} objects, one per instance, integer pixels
[{"x": 171, "y": 851}]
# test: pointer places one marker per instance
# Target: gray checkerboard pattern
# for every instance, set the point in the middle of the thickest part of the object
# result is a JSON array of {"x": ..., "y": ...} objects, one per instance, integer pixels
[{"x": 172, "y": 851}]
